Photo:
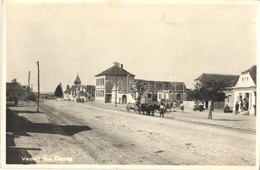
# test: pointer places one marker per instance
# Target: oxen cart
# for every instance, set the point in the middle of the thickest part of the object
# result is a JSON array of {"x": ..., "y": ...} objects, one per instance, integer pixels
[{"x": 144, "y": 108}]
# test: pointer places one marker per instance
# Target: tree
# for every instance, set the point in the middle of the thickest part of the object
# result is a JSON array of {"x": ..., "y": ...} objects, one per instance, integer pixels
[
  {"x": 58, "y": 92},
  {"x": 210, "y": 91}
]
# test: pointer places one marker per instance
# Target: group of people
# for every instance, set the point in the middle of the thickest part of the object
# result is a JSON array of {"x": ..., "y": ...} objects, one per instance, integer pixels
[
  {"x": 164, "y": 107},
  {"x": 241, "y": 106}
]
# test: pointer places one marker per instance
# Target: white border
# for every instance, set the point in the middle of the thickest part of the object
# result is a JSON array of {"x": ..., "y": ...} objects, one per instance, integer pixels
[{"x": 126, "y": 167}]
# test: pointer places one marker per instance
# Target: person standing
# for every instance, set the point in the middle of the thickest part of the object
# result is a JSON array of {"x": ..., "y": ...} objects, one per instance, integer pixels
[
  {"x": 241, "y": 105},
  {"x": 162, "y": 109},
  {"x": 174, "y": 105},
  {"x": 182, "y": 106},
  {"x": 236, "y": 108}
]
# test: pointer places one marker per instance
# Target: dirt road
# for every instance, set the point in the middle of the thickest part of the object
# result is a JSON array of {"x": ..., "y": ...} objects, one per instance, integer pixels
[{"x": 77, "y": 133}]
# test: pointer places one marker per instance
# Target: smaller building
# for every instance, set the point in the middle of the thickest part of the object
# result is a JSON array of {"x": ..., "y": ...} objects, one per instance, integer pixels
[
  {"x": 48, "y": 96},
  {"x": 15, "y": 90},
  {"x": 78, "y": 92},
  {"x": 168, "y": 95},
  {"x": 67, "y": 93},
  {"x": 245, "y": 91},
  {"x": 206, "y": 79}
]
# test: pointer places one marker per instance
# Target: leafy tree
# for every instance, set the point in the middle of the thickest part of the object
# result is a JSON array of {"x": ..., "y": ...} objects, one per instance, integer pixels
[
  {"x": 58, "y": 92},
  {"x": 210, "y": 91}
]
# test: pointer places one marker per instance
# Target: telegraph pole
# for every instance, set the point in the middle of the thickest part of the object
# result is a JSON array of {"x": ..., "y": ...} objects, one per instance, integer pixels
[
  {"x": 183, "y": 87},
  {"x": 116, "y": 88},
  {"x": 29, "y": 79},
  {"x": 38, "y": 86}
]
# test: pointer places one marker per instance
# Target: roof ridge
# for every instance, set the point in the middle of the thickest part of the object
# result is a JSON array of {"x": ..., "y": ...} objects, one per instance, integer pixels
[
  {"x": 111, "y": 71},
  {"x": 249, "y": 70},
  {"x": 220, "y": 74}
]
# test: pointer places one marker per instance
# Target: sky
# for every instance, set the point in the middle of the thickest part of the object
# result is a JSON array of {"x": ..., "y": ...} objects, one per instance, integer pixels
[{"x": 169, "y": 42}]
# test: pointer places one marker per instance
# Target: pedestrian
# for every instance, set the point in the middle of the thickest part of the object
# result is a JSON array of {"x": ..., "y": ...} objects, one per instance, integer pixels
[
  {"x": 171, "y": 107},
  {"x": 241, "y": 105},
  {"x": 200, "y": 106},
  {"x": 236, "y": 108},
  {"x": 182, "y": 106},
  {"x": 245, "y": 106},
  {"x": 162, "y": 109},
  {"x": 174, "y": 105}
]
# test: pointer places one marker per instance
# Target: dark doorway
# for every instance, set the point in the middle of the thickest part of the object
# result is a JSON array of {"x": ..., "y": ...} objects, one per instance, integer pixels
[{"x": 124, "y": 99}]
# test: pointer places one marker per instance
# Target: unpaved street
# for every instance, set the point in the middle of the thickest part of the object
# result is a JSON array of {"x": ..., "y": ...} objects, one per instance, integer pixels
[{"x": 76, "y": 133}]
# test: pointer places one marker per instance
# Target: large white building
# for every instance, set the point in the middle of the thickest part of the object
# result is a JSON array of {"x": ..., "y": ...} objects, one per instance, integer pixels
[{"x": 113, "y": 85}]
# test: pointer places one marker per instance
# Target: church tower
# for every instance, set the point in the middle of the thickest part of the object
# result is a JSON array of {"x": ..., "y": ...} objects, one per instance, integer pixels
[{"x": 77, "y": 80}]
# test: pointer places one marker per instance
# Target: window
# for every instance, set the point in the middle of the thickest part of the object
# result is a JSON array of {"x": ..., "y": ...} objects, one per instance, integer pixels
[
  {"x": 100, "y": 93},
  {"x": 100, "y": 82},
  {"x": 149, "y": 95},
  {"x": 160, "y": 96},
  {"x": 164, "y": 96}
]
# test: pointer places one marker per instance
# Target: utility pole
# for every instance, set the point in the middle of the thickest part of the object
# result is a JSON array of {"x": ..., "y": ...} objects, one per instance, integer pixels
[
  {"x": 127, "y": 85},
  {"x": 38, "y": 86},
  {"x": 29, "y": 79},
  {"x": 116, "y": 87},
  {"x": 175, "y": 84},
  {"x": 183, "y": 87}
]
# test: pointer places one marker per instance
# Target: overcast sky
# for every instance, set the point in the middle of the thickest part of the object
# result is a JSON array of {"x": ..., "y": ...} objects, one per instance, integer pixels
[{"x": 154, "y": 42}]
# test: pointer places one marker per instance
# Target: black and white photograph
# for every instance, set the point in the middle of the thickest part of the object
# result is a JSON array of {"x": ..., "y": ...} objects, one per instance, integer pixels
[{"x": 113, "y": 84}]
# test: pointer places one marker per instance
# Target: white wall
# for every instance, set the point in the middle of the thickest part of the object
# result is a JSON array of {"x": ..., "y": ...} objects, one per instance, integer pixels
[{"x": 245, "y": 80}]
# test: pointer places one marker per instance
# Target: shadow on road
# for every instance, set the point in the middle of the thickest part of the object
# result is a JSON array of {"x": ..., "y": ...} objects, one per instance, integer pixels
[
  {"x": 19, "y": 156},
  {"x": 26, "y": 111},
  {"x": 21, "y": 126}
]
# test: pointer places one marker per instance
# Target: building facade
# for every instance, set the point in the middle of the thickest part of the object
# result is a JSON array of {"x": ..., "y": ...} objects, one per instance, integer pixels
[
  {"x": 245, "y": 91},
  {"x": 206, "y": 79},
  {"x": 14, "y": 90},
  {"x": 117, "y": 84},
  {"x": 78, "y": 92},
  {"x": 112, "y": 84}
]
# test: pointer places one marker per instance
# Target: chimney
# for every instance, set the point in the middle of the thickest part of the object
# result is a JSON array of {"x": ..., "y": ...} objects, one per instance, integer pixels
[
  {"x": 122, "y": 66},
  {"x": 116, "y": 64},
  {"x": 14, "y": 81}
]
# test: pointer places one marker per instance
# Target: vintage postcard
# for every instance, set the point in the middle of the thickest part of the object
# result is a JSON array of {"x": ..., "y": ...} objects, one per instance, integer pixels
[{"x": 114, "y": 84}]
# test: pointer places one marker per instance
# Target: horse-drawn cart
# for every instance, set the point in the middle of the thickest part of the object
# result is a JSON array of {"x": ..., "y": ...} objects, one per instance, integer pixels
[{"x": 144, "y": 108}]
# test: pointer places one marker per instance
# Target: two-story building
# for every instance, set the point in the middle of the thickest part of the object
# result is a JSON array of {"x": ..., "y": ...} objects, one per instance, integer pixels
[
  {"x": 245, "y": 90},
  {"x": 113, "y": 84},
  {"x": 117, "y": 84}
]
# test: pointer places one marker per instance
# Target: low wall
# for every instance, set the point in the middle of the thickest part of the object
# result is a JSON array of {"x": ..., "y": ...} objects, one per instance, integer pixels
[{"x": 217, "y": 105}]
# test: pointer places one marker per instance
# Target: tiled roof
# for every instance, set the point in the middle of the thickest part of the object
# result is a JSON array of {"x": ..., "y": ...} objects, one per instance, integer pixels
[
  {"x": 115, "y": 70},
  {"x": 252, "y": 72},
  {"x": 162, "y": 85},
  {"x": 14, "y": 86},
  {"x": 208, "y": 77}
]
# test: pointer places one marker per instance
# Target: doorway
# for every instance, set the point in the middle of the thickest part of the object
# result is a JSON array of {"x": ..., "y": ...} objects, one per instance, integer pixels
[{"x": 124, "y": 99}]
